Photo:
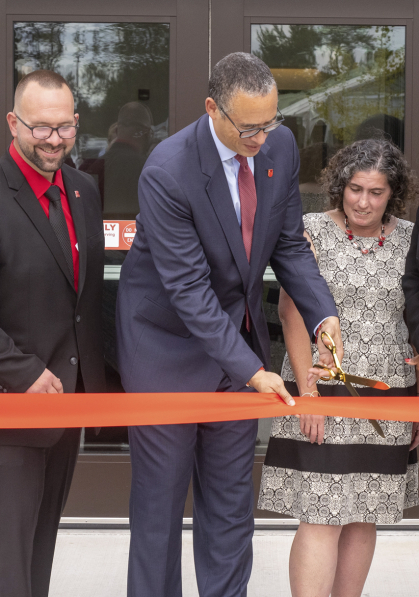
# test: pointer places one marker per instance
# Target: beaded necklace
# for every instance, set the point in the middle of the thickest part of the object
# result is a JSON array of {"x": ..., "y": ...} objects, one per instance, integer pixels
[{"x": 350, "y": 236}]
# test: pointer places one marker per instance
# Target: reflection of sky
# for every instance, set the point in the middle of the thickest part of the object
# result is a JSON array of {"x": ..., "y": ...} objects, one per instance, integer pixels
[
  {"x": 68, "y": 62},
  {"x": 397, "y": 40}
]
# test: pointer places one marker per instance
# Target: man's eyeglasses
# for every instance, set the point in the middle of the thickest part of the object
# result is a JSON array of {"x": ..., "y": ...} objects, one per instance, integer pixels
[
  {"x": 252, "y": 132},
  {"x": 45, "y": 132}
]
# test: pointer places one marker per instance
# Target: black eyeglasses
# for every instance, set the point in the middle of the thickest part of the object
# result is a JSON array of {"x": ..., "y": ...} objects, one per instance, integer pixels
[
  {"x": 252, "y": 132},
  {"x": 45, "y": 132}
]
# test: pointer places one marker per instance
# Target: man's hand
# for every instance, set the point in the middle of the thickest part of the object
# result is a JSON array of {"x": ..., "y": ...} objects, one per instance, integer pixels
[
  {"x": 330, "y": 325},
  {"x": 47, "y": 383},
  {"x": 266, "y": 382}
]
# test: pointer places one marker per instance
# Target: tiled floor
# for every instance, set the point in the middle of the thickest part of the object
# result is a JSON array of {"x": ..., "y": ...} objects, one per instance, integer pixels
[{"x": 93, "y": 563}]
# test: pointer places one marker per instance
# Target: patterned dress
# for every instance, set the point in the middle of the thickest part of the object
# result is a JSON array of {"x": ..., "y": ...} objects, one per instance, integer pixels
[{"x": 355, "y": 475}]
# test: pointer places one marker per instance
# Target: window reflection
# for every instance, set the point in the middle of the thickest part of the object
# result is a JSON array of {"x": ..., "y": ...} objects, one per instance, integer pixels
[
  {"x": 336, "y": 84},
  {"x": 119, "y": 75}
]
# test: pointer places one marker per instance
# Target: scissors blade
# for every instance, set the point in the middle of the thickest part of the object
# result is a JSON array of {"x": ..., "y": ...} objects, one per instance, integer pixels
[
  {"x": 364, "y": 381},
  {"x": 377, "y": 427},
  {"x": 350, "y": 387},
  {"x": 353, "y": 392}
]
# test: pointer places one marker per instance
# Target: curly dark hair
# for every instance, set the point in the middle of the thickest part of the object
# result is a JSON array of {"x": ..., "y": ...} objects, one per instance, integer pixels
[{"x": 371, "y": 154}]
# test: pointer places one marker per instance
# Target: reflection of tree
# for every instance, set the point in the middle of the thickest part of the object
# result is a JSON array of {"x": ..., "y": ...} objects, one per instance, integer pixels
[
  {"x": 341, "y": 43},
  {"x": 126, "y": 57},
  {"x": 378, "y": 88},
  {"x": 360, "y": 76},
  {"x": 104, "y": 64},
  {"x": 294, "y": 50},
  {"x": 39, "y": 43}
]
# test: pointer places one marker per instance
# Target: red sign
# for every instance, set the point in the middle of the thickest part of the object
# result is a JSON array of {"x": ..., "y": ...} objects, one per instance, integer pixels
[{"x": 119, "y": 234}]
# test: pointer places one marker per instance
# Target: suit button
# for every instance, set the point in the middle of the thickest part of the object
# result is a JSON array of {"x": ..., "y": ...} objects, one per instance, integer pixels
[
  {"x": 1, "y": 388},
  {"x": 78, "y": 318},
  {"x": 4, "y": 390},
  {"x": 73, "y": 360}
]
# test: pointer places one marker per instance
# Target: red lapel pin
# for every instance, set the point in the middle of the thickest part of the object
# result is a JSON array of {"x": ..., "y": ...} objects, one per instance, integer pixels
[
  {"x": 77, "y": 194},
  {"x": 270, "y": 173}
]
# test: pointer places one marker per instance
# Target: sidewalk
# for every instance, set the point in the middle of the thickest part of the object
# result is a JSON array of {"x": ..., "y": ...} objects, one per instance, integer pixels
[{"x": 93, "y": 563}]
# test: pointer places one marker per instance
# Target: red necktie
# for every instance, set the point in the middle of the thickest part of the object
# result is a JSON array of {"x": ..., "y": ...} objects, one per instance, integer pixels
[{"x": 248, "y": 203}]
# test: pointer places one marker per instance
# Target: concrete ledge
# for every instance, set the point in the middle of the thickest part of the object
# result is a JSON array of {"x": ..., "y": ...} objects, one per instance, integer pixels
[{"x": 68, "y": 522}]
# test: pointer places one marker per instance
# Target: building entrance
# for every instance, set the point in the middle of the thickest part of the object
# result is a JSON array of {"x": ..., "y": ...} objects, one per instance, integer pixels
[{"x": 139, "y": 73}]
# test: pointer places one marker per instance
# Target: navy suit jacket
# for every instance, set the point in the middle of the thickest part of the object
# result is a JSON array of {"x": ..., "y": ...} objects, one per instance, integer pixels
[{"x": 183, "y": 285}]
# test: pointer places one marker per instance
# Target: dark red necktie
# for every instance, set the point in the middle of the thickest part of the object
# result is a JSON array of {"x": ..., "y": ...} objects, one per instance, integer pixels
[{"x": 248, "y": 203}]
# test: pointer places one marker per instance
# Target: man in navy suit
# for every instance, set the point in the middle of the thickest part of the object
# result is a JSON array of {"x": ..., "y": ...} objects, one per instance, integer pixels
[{"x": 218, "y": 202}]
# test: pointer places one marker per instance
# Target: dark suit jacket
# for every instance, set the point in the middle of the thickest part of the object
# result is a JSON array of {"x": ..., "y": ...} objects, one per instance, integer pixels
[
  {"x": 183, "y": 285},
  {"x": 410, "y": 283},
  {"x": 43, "y": 321}
]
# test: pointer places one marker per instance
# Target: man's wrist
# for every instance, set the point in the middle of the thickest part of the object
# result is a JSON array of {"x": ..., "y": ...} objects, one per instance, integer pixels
[
  {"x": 317, "y": 330},
  {"x": 248, "y": 383}
]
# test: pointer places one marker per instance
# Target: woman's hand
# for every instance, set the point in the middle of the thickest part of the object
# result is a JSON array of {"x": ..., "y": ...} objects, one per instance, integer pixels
[
  {"x": 312, "y": 426},
  {"x": 415, "y": 436},
  {"x": 314, "y": 374},
  {"x": 413, "y": 362}
]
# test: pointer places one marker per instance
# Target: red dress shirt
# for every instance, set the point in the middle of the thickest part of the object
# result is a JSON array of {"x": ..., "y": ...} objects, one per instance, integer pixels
[{"x": 39, "y": 186}]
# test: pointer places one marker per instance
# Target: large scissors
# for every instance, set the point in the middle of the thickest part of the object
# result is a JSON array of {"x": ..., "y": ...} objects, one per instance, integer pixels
[{"x": 348, "y": 379}]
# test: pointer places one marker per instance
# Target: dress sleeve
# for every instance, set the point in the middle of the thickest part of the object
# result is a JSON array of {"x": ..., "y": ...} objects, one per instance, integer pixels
[{"x": 313, "y": 224}]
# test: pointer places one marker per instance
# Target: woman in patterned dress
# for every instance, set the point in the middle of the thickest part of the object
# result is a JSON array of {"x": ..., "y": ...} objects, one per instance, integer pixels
[{"x": 337, "y": 475}]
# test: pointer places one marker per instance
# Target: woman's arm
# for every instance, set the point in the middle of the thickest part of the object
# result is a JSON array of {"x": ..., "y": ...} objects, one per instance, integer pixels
[
  {"x": 415, "y": 426},
  {"x": 297, "y": 341},
  {"x": 298, "y": 346}
]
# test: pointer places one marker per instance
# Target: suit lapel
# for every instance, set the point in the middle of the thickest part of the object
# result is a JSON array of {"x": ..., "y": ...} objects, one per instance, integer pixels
[
  {"x": 264, "y": 192},
  {"x": 219, "y": 195},
  {"x": 77, "y": 213},
  {"x": 31, "y": 206}
]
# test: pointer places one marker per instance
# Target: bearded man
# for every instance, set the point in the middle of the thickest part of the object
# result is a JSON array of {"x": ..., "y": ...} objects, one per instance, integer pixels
[{"x": 51, "y": 272}]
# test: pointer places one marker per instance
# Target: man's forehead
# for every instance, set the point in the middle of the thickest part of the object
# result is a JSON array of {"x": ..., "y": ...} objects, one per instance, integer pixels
[
  {"x": 38, "y": 98},
  {"x": 254, "y": 110}
]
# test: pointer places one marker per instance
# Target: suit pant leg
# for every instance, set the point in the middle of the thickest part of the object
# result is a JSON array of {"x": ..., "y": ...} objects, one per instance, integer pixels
[
  {"x": 162, "y": 461},
  {"x": 223, "y": 507},
  {"x": 21, "y": 488},
  {"x": 60, "y": 461}
]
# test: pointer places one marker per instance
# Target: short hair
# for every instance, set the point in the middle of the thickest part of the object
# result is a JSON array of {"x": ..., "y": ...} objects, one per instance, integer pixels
[
  {"x": 366, "y": 155},
  {"x": 45, "y": 78},
  {"x": 135, "y": 113},
  {"x": 239, "y": 72}
]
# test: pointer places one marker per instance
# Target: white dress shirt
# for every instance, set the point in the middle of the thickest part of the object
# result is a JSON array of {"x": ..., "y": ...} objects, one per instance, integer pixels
[{"x": 231, "y": 168}]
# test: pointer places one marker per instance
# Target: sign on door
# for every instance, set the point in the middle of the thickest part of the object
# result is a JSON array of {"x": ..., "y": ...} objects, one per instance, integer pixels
[{"x": 119, "y": 234}]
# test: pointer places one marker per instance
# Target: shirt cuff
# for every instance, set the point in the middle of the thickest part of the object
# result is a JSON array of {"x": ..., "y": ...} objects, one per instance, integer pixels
[{"x": 316, "y": 329}]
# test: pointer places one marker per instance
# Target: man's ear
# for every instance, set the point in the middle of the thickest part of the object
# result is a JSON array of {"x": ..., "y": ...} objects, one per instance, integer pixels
[
  {"x": 211, "y": 108},
  {"x": 12, "y": 122}
]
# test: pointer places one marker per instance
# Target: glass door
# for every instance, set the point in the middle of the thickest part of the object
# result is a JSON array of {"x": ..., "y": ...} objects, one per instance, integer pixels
[{"x": 135, "y": 81}]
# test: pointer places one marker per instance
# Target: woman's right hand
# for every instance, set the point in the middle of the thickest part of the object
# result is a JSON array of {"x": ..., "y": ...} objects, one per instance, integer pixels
[
  {"x": 312, "y": 426},
  {"x": 413, "y": 362},
  {"x": 314, "y": 373}
]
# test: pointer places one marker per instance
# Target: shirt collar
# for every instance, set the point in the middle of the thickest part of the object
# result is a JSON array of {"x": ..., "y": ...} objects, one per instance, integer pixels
[
  {"x": 38, "y": 183},
  {"x": 224, "y": 152}
]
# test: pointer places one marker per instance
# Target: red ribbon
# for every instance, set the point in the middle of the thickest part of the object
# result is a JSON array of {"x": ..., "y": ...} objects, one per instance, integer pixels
[{"x": 113, "y": 410}]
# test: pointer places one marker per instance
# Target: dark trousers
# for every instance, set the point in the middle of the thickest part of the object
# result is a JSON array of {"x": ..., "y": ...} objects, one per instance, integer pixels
[
  {"x": 219, "y": 457},
  {"x": 34, "y": 485}
]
